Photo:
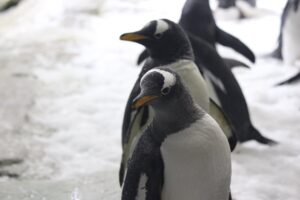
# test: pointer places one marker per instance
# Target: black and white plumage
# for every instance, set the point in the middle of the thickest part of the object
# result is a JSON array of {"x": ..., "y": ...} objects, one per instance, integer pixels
[
  {"x": 197, "y": 20},
  {"x": 288, "y": 48},
  {"x": 168, "y": 45},
  {"x": 183, "y": 153},
  {"x": 289, "y": 35}
]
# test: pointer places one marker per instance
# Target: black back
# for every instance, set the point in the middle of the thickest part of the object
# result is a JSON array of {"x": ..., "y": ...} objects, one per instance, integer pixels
[{"x": 233, "y": 101}]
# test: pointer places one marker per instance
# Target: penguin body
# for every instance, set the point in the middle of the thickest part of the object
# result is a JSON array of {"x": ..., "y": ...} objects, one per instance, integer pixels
[
  {"x": 180, "y": 60},
  {"x": 183, "y": 153},
  {"x": 227, "y": 91},
  {"x": 289, "y": 33}
]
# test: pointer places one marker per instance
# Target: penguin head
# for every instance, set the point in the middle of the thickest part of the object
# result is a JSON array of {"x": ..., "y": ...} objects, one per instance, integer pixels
[
  {"x": 160, "y": 87},
  {"x": 163, "y": 39}
]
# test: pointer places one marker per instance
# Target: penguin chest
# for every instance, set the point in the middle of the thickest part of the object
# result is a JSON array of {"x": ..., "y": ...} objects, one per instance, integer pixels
[
  {"x": 196, "y": 163},
  {"x": 291, "y": 37},
  {"x": 192, "y": 78}
]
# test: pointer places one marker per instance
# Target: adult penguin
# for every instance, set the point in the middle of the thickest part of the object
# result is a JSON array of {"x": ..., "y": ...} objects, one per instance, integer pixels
[
  {"x": 197, "y": 19},
  {"x": 288, "y": 49},
  {"x": 168, "y": 45},
  {"x": 289, "y": 35},
  {"x": 183, "y": 153},
  {"x": 225, "y": 90}
]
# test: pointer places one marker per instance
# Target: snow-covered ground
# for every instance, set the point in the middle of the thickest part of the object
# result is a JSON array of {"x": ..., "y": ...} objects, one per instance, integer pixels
[{"x": 64, "y": 81}]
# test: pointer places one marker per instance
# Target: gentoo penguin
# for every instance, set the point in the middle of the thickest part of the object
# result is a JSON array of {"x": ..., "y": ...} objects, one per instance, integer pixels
[
  {"x": 183, "y": 153},
  {"x": 288, "y": 49},
  {"x": 167, "y": 44},
  {"x": 289, "y": 35},
  {"x": 233, "y": 9},
  {"x": 197, "y": 19},
  {"x": 226, "y": 91}
]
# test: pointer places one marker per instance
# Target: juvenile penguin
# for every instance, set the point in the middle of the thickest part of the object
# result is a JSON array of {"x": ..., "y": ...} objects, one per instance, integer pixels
[
  {"x": 197, "y": 19},
  {"x": 168, "y": 45},
  {"x": 183, "y": 153},
  {"x": 288, "y": 49}
]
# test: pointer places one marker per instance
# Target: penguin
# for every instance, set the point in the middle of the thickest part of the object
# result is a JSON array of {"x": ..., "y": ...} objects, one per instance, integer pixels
[
  {"x": 233, "y": 9},
  {"x": 287, "y": 50},
  {"x": 289, "y": 36},
  {"x": 197, "y": 19},
  {"x": 167, "y": 44},
  {"x": 227, "y": 92},
  {"x": 183, "y": 153}
]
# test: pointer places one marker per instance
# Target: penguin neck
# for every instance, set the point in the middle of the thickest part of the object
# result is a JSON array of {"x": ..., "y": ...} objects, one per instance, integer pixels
[
  {"x": 173, "y": 118},
  {"x": 169, "y": 56}
]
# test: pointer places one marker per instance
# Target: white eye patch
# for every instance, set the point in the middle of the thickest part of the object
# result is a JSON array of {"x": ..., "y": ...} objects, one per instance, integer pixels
[
  {"x": 161, "y": 26},
  {"x": 169, "y": 78}
]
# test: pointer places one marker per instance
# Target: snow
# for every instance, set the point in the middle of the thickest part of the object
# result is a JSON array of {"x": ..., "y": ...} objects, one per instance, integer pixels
[{"x": 65, "y": 77}]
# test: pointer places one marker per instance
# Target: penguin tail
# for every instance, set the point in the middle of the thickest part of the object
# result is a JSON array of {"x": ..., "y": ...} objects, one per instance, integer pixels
[
  {"x": 231, "y": 63},
  {"x": 291, "y": 80},
  {"x": 143, "y": 56},
  {"x": 230, "y": 41},
  {"x": 254, "y": 134}
]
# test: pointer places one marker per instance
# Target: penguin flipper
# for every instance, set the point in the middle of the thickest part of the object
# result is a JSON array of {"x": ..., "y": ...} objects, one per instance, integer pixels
[
  {"x": 230, "y": 41},
  {"x": 231, "y": 63},
  {"x": 145, "y": 171},
  {"x": 218, "y": 114},
  {"x": 143, "y": 56},
  {"x": 291, "y": 80}
]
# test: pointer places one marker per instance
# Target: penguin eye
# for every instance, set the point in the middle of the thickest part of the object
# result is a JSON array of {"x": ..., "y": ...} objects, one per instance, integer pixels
[
  {"x": 158, "y": 35},
  {"x": 165, "y": 91}
]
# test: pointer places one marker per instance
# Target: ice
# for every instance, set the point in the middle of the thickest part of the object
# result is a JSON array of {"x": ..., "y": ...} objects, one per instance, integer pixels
[{"x": 65, "y": 78}]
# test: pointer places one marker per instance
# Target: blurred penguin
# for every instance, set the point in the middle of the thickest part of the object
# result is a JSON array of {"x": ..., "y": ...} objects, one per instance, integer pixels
[
  {"x": 233, "y": 9},
  {"x": 288, "y": 48}
]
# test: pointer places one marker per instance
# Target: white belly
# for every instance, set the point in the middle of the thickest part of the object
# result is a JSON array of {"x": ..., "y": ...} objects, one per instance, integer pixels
[
  {"x": 291, "y": 38},
  {"x": 193, "y": 80},
  {"x": 197, "y": 163}
]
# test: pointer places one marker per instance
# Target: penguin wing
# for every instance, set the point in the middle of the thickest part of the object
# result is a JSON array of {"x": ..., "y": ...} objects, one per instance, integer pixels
[
  {"x": 231, "y": 63},
  {"x": 143, "y": 56},
  {"x": 230, "y": 41},
  {"x": 127, "y": 118},
  {"x": 219, "y": 115},
  {"x": 144, "y": 176}
]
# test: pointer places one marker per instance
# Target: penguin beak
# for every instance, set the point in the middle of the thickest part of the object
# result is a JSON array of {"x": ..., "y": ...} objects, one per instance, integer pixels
[
  {"x": 136, "y": 36},
  {"x": 142, "y": 100}
]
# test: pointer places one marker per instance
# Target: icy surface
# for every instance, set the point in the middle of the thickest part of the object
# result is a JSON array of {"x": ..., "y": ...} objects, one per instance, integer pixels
[{"x": 64, "y": 81}]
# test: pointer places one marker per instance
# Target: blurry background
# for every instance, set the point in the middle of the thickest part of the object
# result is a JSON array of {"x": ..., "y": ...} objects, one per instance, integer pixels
[{"x": 65, "y": 78}]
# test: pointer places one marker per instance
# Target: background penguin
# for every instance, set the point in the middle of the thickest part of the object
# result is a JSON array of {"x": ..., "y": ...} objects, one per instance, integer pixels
[
  {"x": 183, "y": 153},
  {"x": 289, "y": 35},
  {"x": 228, "y": 9},
  {"x": 227, "y": 92},
  {"x": 288, "y": 49},
  {"x": 168, "y": 45},
  {"x": 197, "y": 19}
]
